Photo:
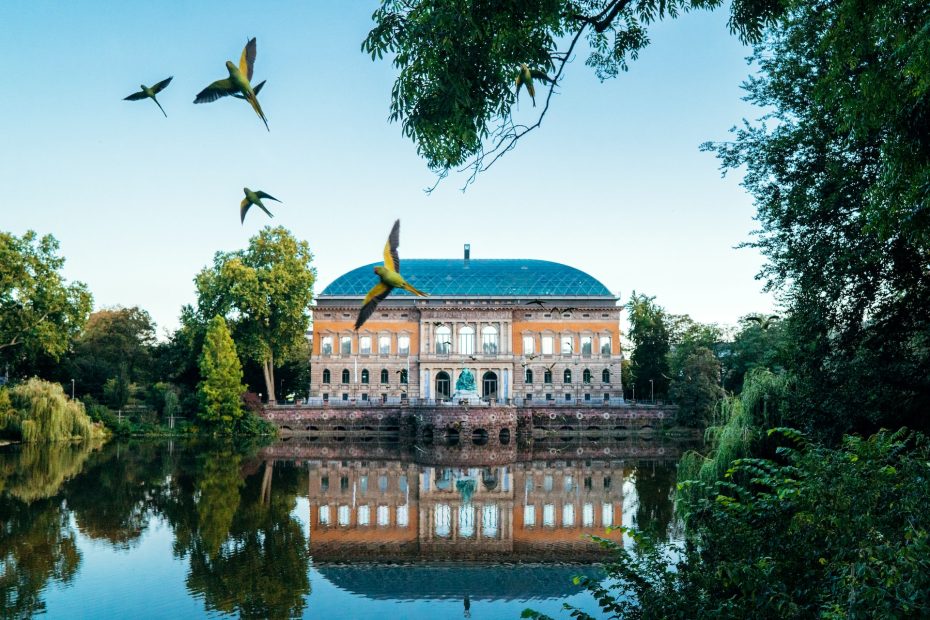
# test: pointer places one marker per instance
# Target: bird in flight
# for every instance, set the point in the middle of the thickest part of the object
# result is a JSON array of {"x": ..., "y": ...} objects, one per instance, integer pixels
[
  {"x": 525, "y": 77},
  {"x": 238, "y": 84},
  {"x": 390, "y": 277},
  {"x": 536, "y": 302},
  {"x": 558, "y": 310},
  {"x": 254, "y": 198},
  {"x": 149, "y": 93},
  {"x": 763, "y": 321}
]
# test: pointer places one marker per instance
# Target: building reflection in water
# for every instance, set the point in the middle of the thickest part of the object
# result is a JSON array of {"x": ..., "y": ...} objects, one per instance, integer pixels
[{"x": 394, "y": 511}]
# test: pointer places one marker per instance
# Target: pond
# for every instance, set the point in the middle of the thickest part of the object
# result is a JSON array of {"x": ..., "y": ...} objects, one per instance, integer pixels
[{"x": 153, "y": 529}]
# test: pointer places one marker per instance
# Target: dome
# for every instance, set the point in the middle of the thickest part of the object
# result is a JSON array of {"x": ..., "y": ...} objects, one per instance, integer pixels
[{"x": 520, "y": 278}]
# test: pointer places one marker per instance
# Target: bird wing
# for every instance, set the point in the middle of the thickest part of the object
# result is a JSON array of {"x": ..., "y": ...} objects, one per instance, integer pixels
[
  {"x": 247, "y": 61},
  {"x": 219, "y": 88},
  {"x": 756, "y": 319},
  {"x": 540, "y": 75},
  {"x": 377, "y": 294},
  {"x": 262, "y": 194},
  {"x": 255, "y": 89},
  {"x": 161, "y": 85},
  {"x": 391, "y": 259},
  {"x": 136, "y": 96},
  {"x": 244, "y": 208}
]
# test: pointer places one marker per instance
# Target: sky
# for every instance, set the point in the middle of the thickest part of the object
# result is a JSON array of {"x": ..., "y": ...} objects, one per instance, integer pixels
[{"x": 613, "y": 183}]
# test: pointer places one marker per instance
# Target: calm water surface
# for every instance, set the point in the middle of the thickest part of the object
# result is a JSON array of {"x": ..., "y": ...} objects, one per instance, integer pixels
[{"x": 169, "y": 529}]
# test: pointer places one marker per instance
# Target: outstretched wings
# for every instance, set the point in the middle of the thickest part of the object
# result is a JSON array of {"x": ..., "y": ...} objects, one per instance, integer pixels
[
  {"x": 372, "y": 299},
  {"x": 391, "y": 258},
  {"x": 541, "y": 76},
  {"x": 219, "y": 88},
  {"x": 247, "y": 61},
  {"x": 161, "y": 85},
  {"x": 136, "y": 96},
  {"x": 262, "y": 194}
]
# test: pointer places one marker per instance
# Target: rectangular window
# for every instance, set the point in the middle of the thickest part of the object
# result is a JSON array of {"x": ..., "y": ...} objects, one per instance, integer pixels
[
  {"x": 529, "y": 345},
  {"x": 548, "y": 515},
  {"x": 529, "y": 516},
  {"x": 567, "y": 345},
  {"x": 567, "y": 484},
  {"x": 382, "y": 483},
  {"x": 384, "y": 345},
  {"x": 605, "y": 345},
  {"x": 467, "y": 341},
  {"x": 529, "y": 396},
  {"x": 489, "y": 343},
  {"x": 345, "y": 396},
  {"x": 327, "y": 345},
  {"x": 587, "y": 515},
  {"x": 324, "y": 515},
  {"x": 402, "y": 484},
  {"x": 547, "y": 484},
  {"x": 568, "y": 515},
  {"x": 547, "y": 345},
  {"x": 403, "y": 345},
  {"x": 343, "y": 515},
  {"x": 568, "y": 397},
  {"x": 586, "y": 345},
  {"x": 587, "y": 397},
  {"x": 607, "y": 515},
  {"x": 364, "y": 515},
  {"x": 384, "y": 518},
  {"x": 364, "y": 345},
  {"x": 324, "y": 484},
  {"x": 403, "y": 515},
  {"x": 363, "y": 484},
  {"x": 344, "y": 483},
  {"x": 345, "y": 345},
  {"x": 364, "y": 396},
  {"x": 403, "y": 376}
]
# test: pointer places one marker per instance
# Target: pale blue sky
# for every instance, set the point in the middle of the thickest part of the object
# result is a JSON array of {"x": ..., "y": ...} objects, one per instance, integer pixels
[{"x": 613, "y": 183}]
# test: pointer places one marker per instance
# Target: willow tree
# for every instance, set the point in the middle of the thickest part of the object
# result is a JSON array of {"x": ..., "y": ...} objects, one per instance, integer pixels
[
  {"x": 221, "y": 389},
  {"x": 39, "y": 411},
  {"x": 265, "y": 292}
]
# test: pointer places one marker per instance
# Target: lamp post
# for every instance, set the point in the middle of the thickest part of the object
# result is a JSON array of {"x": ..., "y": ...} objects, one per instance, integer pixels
[
  {"x": 72, "y": 389},
  {"x": 634, "y": 391},
  {"x": 652, "y": 392}
]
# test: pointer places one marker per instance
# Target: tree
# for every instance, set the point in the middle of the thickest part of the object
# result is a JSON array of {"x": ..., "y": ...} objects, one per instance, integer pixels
[
  {"x": 39, "y": 311},
  {"x": 221, "y": 388},
  {"x": 756, "y": 345},
  {"x": 687, "y": 336},
  {"x": 39, "y": 411},
  {"x": 115, "y": 347},
  {"x": 839, "y": 175},
  {"x": 650, "y": 336},
  {"x": 266, "y": 292},
  {"x": 457, "y": 61},
  {"x": 696, "y": 389}
]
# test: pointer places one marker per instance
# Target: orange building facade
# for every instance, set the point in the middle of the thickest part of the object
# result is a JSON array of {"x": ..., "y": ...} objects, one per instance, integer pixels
[{"x": 527, "y": 330}]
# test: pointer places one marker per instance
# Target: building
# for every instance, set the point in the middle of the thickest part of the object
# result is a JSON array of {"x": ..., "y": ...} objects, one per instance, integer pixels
[{"x": 528, "y": 330}]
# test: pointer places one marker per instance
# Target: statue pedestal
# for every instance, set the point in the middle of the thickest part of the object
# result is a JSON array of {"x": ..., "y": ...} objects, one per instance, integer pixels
[{"x": 469, "y": 397}]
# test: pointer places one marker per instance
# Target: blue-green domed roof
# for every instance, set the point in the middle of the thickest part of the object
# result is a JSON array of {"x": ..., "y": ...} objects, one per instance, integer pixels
[{"x": 479, "y": 277}]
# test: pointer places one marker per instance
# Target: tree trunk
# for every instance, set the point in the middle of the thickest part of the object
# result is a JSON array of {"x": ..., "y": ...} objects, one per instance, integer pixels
[{"x": 268, "y": 369}]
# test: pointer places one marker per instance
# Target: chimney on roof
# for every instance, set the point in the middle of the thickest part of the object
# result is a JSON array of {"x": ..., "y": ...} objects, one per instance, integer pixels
[{"x": 467, "y": 253}]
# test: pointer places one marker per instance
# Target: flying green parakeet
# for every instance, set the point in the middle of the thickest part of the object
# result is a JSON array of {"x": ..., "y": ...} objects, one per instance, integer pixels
[
  {"x": 390, "y": 278},
  {"x": 238, "y": 84},
  {"x": 254, "y": 198},
  {"x": 149, "y": 93},
  {"x": 525, "y": 77}
]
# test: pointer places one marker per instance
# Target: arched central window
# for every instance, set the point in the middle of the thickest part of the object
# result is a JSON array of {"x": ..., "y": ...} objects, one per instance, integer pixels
[
  {"x": 547, "y": 376},
  {"x": 605, "y": 376},
  {"x": 528, "y": 378},
  {"x": 365, "y": 376},
  {"x": 345, "y": 375},
  {"x": 326, "y": 376},
  {"x": 567, "y": 376},
  {"x": 443, "y": 385},
  {"x": 403, "y": 376},
  {"x": 489, "y": 340},
  {"x": 443, "y": 340},
  {"x": 467, "y": 340},
  {"x": 586, "y": 376},
  {"x": 384, "y": 375}
]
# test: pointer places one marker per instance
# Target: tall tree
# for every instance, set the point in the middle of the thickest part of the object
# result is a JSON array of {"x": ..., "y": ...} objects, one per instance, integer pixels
[
  {"x": 265, "y": 291},
  {"x": 39, "y": 311},
  {"x": 221, "y": 388},
  {"x": 650, "y": 336},
  {"x": 458, "y": 61},
  {"x": 839, "y": 168},
  {"x": 696, "y": 388}
]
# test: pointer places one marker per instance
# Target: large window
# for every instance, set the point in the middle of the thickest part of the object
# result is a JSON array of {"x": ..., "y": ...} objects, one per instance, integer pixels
[
  {"x": 403, "y": 376},
  {"x": 327, "y": 345},
  {"x": 605, "y": 345},
  {"x": 586, "y": 345},
  {"x": 384, "y": 345},
  {"x": 586, "y": 376},
  {"x": 384, "y": 375},
  {"x": 326, "y": 376},
  {"x": 467, "y": 340},
  {"x": 605, "y": 376},
  {"x": 547, "y": 345},
  {"x": 566, "y": 376},
  {"x": 489, "y": 340},
  {"x": 567, "y": 345},
  {"x": 547, "y": 376},
  {"x": 365, "y": 375},
  {"x": 403, "y": 345},
  {"x": 364, "y": 345},
  {"x": 443, "y": 340},
  {"x": 529, "y": 345},
  {"x": 529, "y": 376},
  {"x": 345, "y": 375},
  {"x": 345, "y": 345}
]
